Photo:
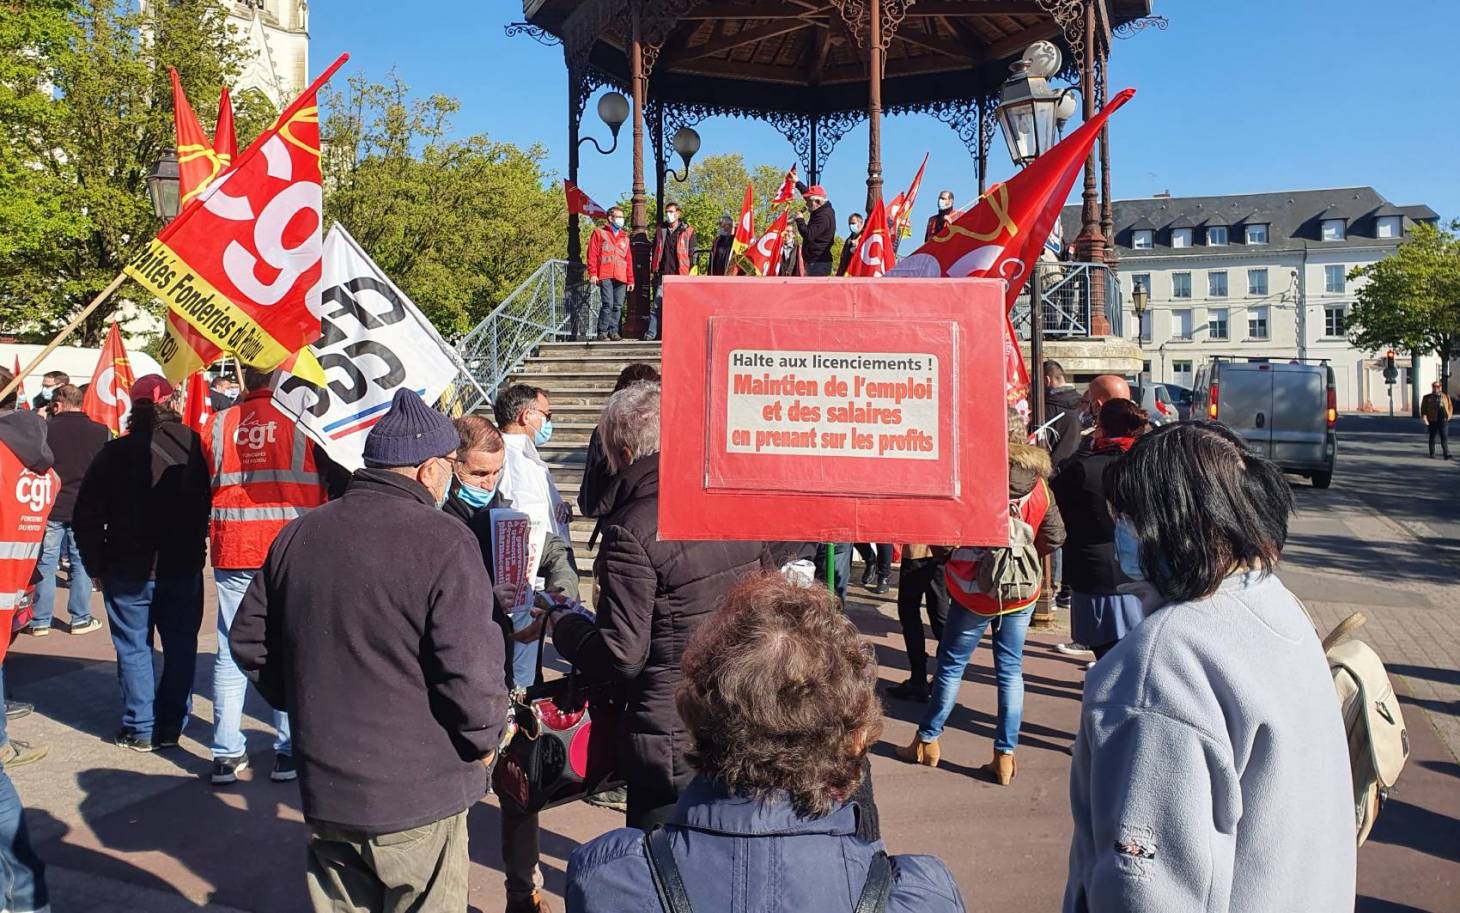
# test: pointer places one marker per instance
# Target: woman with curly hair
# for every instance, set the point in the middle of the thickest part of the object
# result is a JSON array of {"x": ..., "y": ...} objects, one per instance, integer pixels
[{"x": 778, "y": 696}]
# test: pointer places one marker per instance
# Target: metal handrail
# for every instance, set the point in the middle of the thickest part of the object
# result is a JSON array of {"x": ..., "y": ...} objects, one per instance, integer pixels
[
  {"x": 1067, "y": 290},
  {"x": 534, "y": 312}
]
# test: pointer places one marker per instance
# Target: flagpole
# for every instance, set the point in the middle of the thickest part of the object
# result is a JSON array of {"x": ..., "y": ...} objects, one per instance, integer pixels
[{"x": 67, "y": 331}]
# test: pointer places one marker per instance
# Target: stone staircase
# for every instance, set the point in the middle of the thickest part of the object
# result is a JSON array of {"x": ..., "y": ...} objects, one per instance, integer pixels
[{"x": 578, "y": 377}]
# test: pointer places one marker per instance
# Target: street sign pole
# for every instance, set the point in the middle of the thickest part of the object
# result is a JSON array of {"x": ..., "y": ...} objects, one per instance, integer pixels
[{"x": 1391, "y": 399}]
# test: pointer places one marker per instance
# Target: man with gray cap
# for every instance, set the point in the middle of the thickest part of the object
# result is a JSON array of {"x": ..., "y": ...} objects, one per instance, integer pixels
[{"x": 370, "y": 623}]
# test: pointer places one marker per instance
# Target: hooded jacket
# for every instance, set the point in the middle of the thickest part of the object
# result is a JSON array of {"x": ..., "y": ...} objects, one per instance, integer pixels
[
  {"x": 24, "y": 433},
  {"x": 1063, "y": 402},
  {"x": 1027, "y": 465},
  {"x": 654, "y": 593}
]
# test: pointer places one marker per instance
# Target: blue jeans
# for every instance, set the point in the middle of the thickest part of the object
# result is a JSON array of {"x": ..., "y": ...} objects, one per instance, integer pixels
[
  {"x": 961, "y": 633},
  {"x": 656, "y": 314},
  {"x": 22, "y": 873},
  {"x": 78, "y": 601},
  {"x": 229, "y": 684},
  {"x": 173, "y": 608},
  {"x": 4, "y": 723},
  {"x": 611, "y": 296}
]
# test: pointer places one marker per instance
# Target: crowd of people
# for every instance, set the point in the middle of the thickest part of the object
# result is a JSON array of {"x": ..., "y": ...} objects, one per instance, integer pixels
[{"x": 745, "y": 700}]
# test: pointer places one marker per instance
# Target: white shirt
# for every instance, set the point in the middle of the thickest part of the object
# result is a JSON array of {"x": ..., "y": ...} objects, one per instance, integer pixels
[{"x": 528, "y": 484}]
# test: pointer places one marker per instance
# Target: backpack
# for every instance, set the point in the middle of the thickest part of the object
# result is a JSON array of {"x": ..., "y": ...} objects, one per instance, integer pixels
[
  {"x": 1378, "y": 743},
  {"x": 999, "y": 580}
]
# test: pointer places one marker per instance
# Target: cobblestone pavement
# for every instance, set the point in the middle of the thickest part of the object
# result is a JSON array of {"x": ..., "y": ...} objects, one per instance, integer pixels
[{"x": 129, "y": 832}]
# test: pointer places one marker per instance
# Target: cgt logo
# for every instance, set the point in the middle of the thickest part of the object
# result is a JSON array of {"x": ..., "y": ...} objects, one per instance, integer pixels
[
  {"x": 254, "y": 434},
  {"x": 34, "y": 491}
]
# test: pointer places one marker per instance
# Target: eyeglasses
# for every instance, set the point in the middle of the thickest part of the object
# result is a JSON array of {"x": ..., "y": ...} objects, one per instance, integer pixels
[{"x": 546, "y": 415}]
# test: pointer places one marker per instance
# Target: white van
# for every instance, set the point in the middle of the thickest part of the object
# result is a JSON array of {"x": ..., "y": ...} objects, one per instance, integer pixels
[{"x": 1285, "y": 411}]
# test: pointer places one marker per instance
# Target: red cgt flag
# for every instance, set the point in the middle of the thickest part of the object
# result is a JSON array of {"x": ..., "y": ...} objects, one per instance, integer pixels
[
  {"x": 225, "y": 142},
  {"x": 899, "y": 211},
  {"x": 873, "y": 255},
  {"x": 241, "y": 263},
  {"x": 1002, "y": 236},
  {"x": 109, "y": 397},
  {"x": 199, "y": 406},
  {"x": 765, "y": 252},
  {"x": 580, "y": 204},
  {"x": 787, "y": 193}
]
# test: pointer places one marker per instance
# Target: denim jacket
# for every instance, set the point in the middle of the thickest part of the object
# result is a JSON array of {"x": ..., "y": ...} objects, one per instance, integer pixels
[{"x": 747, "y": 855}]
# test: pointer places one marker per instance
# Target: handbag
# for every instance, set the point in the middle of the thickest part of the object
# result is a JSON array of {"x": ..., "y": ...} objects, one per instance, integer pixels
[{"x": 560, "y": 749}]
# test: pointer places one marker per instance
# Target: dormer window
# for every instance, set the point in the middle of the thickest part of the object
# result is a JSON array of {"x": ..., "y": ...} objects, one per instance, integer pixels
[
  {"x": 1180, "y": 237},
  {"x": 1334, "y": 229},
  {"x": 1142, "y": 239},
  {"x": 1255, "y": 234},
  {"x": 1389, "y": 227},
  {"x": 1216, "y": 236}
]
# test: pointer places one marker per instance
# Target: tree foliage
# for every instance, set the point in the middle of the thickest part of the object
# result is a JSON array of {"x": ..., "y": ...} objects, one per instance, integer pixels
[
  {"x": 86, "y": 102},
  {"x": 1411, "y": 301},
  {"x": 457, "y": 224}
]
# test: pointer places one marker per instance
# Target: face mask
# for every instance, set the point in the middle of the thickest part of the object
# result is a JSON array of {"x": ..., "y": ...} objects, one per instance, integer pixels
[
  {"x": 617, "y": 223},
  {"x": 544, "y": 434},
  {"x": 672, "y": 217},
  {"x": 1128, "y": 549},
  {"x": 473, "y": 496},
  {"x": 47, "y": 393},
  {"x": 944, "y": 207},
  {"x": 856, "y": 229}
]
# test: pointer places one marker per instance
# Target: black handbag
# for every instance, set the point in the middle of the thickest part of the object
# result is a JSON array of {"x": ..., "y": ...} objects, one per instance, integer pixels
[{"x": 562, "y": 749}]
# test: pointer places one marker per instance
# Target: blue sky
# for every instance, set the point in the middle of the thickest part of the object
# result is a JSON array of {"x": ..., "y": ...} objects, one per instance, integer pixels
[{"x": 1232, "y": 98}]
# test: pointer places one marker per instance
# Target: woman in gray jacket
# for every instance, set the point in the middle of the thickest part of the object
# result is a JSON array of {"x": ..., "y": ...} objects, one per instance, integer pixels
[{"x": 1211, "y": 770}]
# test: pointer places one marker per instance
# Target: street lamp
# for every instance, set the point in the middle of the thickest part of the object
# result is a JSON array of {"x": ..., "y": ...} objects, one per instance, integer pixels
[
  {"x": 1030, "y": 112},
  {"x": 162, "y": 181},
  {"x": 686, "y": 142},
  {"x": 613, "y": 110},
  {"x": 1141, "y": 301}
]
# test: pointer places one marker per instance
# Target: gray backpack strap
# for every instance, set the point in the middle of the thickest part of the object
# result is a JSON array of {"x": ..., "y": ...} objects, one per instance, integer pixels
[
  {"x": 878, "y": 889},
  {"x": 668, "y": 883}
]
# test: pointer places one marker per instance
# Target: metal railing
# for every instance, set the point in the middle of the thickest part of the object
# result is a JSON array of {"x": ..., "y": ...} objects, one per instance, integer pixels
[
  {"x": 1068, "y": 289},
  {"x": 535, "y": 312}
]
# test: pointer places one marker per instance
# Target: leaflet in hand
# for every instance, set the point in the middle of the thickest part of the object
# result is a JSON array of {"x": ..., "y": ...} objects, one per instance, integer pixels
[{"x": 516, "y": 548}]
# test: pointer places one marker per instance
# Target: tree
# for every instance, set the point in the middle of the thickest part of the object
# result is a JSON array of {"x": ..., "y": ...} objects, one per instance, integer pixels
[
  {"x": 1412, "y": 298},
  {"x": 457, "y": 224},
  {"x": 86, "y": 102}
]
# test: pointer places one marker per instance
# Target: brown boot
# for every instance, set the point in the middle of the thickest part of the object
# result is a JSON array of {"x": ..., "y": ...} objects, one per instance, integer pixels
[
  {"x": 532, "y": 903},
  {"x": 1002, "y": 768},
  {"x": 920, "y": 752}
]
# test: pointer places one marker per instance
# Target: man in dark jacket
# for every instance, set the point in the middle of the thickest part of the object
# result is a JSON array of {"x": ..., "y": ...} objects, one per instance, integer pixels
[
  {"x": 722, "y": 247},
  {"x": 1062, "y": 406},
  {"x": 675, "y": 252},
  {"x": 75, "y": 440},
  {"x": 817, "y": 230},
  {"x": 938, "y": 221},
  {"x": 653, "y": 594},
  {"x": 141, "y": 522},
  {"x": 854, "y": 231},
  {"x": 370, "y": 624}
]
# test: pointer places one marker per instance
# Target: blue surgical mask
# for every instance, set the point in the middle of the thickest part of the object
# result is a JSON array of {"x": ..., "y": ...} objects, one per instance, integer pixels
[
  {"x": 544, "y": 434},
  {"x": 1128, "y": 549},
  {"x": 47, "y": 393},
  {"x": 475, "y": 497}
]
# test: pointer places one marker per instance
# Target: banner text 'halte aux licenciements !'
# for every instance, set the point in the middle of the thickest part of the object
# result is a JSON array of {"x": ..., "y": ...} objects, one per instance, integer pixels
[{"x": 858, "y": 404}]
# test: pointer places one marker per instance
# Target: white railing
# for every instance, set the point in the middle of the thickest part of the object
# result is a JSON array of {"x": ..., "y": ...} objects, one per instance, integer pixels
[{"x": 533, "y": 313}]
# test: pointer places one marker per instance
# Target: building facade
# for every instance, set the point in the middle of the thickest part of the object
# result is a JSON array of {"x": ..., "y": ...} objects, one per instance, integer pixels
[
  {"x": 276, "y": 33},
  {"x": 1259, "y": 277}
]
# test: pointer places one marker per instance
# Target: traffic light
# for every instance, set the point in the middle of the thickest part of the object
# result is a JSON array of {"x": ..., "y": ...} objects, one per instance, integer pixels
[{"x": 1391, "y": 373}]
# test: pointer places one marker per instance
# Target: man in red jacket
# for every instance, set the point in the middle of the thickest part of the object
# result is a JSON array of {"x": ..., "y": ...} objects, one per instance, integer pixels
[
  {"x": 675, "y": 250},
  {"x": 611, "y": 271}
]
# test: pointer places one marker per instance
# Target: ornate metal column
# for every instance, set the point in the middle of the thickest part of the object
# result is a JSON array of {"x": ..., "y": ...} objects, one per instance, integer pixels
[
  {"x": 640, "y": 217},
  {"x": 875, "y": 57},
  {"x": 1107, "y": 206},
  {"x": 656, "y": 119},
  {"x": 1090, "y": 245},
  {"x": 576, "y": 98}
]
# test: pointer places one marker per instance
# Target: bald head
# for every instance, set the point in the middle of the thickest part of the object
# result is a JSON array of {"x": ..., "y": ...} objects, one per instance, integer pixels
[{"x": 1104, "y": 388}]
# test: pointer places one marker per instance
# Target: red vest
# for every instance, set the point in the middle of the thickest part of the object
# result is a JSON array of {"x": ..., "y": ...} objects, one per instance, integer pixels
[
  {"x": 608, "y": 255},
  {"x": 681, "y": 250},
  {"x": 1035, "y": 505},
  {"x": 26, "y": 499},
  {"x": 263, "y": 476}
]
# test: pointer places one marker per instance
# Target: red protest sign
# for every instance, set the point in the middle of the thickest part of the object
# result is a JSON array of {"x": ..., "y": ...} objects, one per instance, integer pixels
[{"x": 859, "y": 410}]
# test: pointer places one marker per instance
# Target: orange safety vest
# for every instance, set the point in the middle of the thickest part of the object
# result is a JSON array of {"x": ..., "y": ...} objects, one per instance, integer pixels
[
  {"x": 264, "y": 475},
  {"x": 608, "y": 255},
  {"x": 681, "y": 250},
  {"x": 26, "y": 499}
]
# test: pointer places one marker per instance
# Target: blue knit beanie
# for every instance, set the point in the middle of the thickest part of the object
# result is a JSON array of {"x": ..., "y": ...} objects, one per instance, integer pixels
[{"x": 409, "y": 434}]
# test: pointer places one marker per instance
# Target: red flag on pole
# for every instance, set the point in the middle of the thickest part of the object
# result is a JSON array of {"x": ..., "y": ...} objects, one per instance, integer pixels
[
  {"x": 109, "y": 397},
  {"x": 873, "y": 255},
  {"x": 909, "y": 199},
  {"x": 1003, "y": 235},
  {"x": 580, "y": 204},
  {"x": 225, "y": 142},
  {"x": 20, "y": 401},
  {"x": 199, "y": 406},
  {"x": 198, "y": 165},
  {"x": 787, "y": 193},
  {"x": 765, "y": 253},
  {"x": 744, "y": 229}
]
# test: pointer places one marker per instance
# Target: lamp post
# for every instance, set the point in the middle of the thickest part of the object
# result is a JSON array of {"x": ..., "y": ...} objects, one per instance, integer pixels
[
  {"x": 162, "y": 187},
  {"x": 1031, "y": 114},
  {"x": 613, "y": 110},
  {"x": 686, "y": 142},
  {"x": 1141, "y": 302}
]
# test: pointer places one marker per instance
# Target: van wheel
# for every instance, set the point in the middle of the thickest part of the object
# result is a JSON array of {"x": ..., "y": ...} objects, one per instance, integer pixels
[{"x": 1323, "y": 479}]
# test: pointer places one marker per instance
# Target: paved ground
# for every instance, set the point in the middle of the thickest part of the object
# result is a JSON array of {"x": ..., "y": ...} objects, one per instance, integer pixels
[{"x": 128, "y": 832}]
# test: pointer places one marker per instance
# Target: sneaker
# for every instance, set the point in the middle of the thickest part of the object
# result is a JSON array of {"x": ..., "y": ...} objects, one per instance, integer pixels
[
  {"x": 15, "y": 753},
  {"x": 911, "y": 690},
  {"x": 225, "y": 770},
  {"x": 883, "y": 585},
  {"x": 616, "y": 799},
  {"x": 36, "y": 631},
  {"x": 603, "y": 337},
  {"x": 1063, "y": 599},
  {"x": 14, "y": 710},
  {"x": 85, "y": 627},
  {"x": 1073, "y": 649},
  {"x": 125, "y": 738},
  {"x": 284, "y": 769},
  {"x": 614, "y": 337},
  {"x": 869, "y": 575}
]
